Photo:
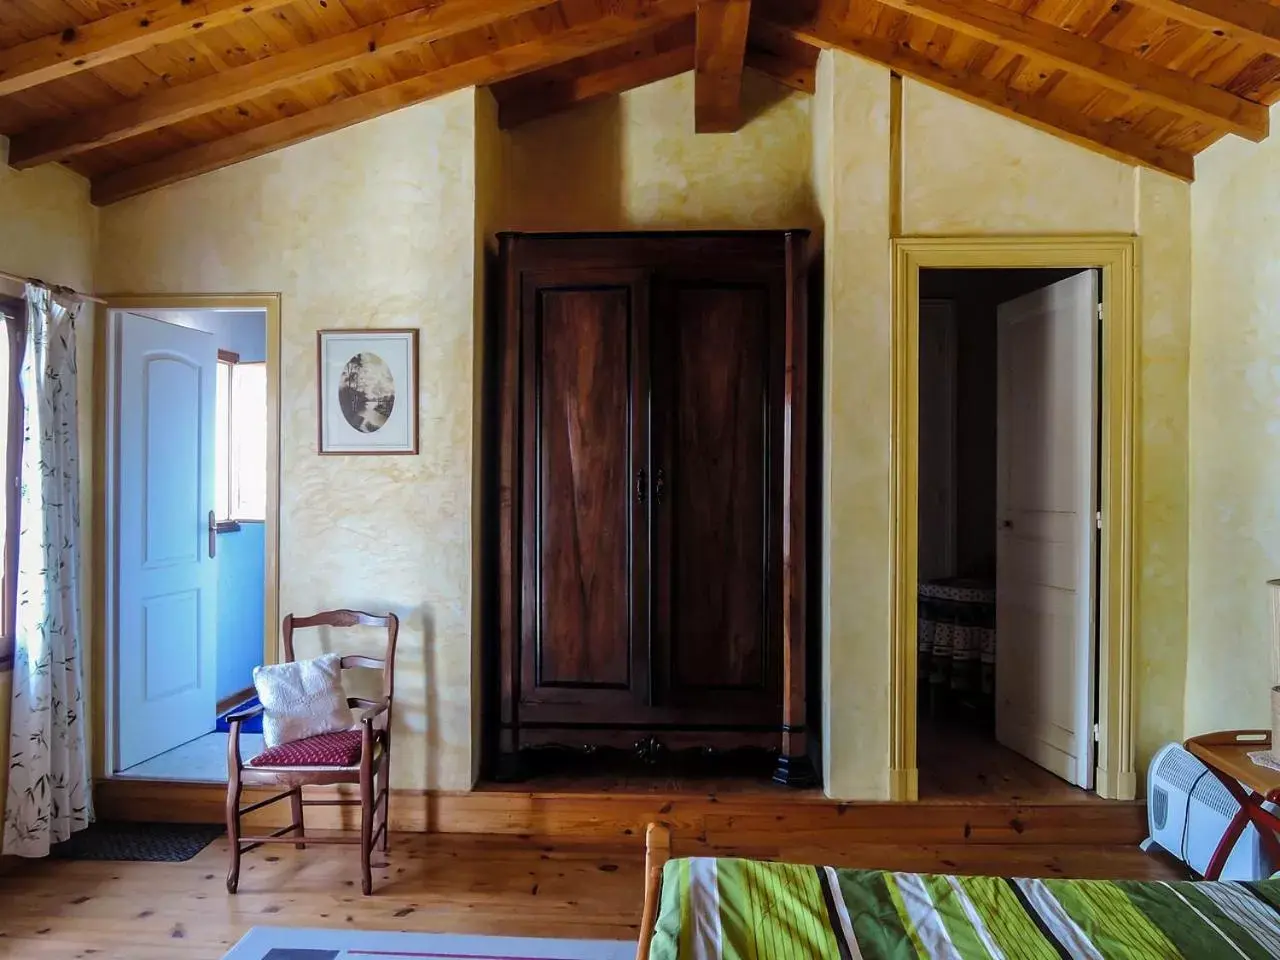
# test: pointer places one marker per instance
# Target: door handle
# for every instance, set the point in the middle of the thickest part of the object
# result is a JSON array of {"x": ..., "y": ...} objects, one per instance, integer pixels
[
  {"x": 1006, "y": 524},
  {"x": 213, "y": 535},
  {"x": 642, "y": 486},
  {"x": 659, "y": 486}
]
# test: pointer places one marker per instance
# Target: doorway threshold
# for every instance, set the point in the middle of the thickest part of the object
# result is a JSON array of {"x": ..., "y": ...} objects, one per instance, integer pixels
[
  {"x": 961, "y": 764},
  {"x": 202, "y": 760}
]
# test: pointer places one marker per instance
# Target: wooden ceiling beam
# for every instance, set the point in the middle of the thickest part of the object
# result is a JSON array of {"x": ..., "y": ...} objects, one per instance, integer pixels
[
  {"x": 491, "y": 67},
  {"x": 788, "y": 72},
  {"x": 1108, "y": 138},
  {"x": 542, "y": 100},
  {"x": 1111, "y": 68},
  {"x": 1254, "y": 22},
  {"x": 781, "y": 56},
  {"x": 719, "y": 57},
  {"x": 665, "y": 53},
  {"x": 122, "y": 34},
  {"x": 171, "y": 105}
]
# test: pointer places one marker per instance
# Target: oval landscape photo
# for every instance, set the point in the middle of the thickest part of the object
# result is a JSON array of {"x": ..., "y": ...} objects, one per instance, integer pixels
[{"x": 366, "y": 392}]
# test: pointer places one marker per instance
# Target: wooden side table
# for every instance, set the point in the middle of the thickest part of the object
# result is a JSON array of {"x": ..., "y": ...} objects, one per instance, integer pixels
[{"x": 1226, "y": 754}]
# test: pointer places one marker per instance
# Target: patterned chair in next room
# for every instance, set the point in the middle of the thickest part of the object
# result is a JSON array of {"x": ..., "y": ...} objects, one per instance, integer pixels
[{"x": 360, "y": 755}]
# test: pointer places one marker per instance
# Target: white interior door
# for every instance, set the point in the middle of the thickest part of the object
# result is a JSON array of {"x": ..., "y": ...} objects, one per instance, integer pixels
[
  {"x": 1046, "y": 544},
  {"x": 166, "y": 579},
  {"x": 936, "y": 551}
]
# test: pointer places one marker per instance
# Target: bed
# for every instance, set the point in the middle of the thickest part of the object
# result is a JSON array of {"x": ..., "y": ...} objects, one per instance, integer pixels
[{"x": 703, "y": 907}]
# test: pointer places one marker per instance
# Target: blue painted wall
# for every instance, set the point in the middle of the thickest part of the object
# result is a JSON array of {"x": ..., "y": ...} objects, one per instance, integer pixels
[{"x": 240, "y": 607}]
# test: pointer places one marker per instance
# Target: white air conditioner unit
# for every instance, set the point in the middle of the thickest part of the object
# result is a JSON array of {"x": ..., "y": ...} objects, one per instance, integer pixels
[{"x": 1187, "y": 812}]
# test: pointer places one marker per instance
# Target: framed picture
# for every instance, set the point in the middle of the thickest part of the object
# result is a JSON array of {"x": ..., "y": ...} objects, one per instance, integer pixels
[{"x": 368, "y": 391}]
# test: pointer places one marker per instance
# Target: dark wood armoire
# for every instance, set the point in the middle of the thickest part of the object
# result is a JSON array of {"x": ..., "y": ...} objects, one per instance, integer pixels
[{"x": 650, "y": 398}]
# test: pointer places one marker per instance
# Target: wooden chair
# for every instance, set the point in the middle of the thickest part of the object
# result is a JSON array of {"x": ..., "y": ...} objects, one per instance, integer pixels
[{"x": 361, "y": 756}]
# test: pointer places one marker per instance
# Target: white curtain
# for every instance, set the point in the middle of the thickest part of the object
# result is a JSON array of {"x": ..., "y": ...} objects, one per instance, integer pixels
[{"x": 49, "y": 787}]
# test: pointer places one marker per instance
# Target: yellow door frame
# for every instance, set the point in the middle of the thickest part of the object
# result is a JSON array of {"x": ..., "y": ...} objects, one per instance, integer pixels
[
  {"x": 1116, "y": 256},
  {"x": 103, "y": 689}
]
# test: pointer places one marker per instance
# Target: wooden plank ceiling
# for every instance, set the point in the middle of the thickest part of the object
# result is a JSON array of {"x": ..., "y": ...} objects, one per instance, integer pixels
[{"x": 135, "y": 94}]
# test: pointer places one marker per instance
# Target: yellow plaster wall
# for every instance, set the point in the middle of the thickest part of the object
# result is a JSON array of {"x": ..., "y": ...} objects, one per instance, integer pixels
[
  {"x": 1235, "y": 434},
  {"x": 634, "y": 162},
  {"x": 372, "y": 226},
  {"x": 379, "y": 224},
  {"x": 1162, "y": 493},
  {"x": 967, "y": 171},
  {"x": 851, "y": 119},
  {"x": 47, "y": 230}
]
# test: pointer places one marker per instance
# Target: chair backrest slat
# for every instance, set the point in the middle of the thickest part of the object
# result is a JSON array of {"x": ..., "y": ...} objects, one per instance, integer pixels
[{"x": 352, "y": 618}]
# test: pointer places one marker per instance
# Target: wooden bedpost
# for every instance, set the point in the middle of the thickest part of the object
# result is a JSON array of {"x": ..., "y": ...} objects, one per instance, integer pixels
[{"x": 657, "y": 851}]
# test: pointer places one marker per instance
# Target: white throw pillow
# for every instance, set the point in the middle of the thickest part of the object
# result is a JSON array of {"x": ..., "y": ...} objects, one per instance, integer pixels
[{"x": 302, "y": 699}]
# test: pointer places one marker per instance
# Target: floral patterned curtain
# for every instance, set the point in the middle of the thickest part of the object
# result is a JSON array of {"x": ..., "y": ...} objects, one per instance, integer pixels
[{"x": 49, "y": 787}]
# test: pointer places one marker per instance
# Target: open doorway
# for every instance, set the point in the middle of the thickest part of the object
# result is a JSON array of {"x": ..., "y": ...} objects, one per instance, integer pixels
[
  {"x": 1008, "y": 542},
  {"x": 190, "y": 530}
]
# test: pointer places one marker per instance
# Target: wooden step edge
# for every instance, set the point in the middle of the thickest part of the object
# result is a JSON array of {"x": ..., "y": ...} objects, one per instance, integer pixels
[{"x": 712, "y": 822}]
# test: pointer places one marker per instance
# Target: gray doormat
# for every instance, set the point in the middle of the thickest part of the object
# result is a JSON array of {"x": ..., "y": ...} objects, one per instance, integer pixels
[{"x": 153, "y": 842}]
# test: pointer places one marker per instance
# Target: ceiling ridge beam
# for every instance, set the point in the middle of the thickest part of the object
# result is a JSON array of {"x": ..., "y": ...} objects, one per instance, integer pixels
[
  {"x": 719, "y": 56},
  {"x": 170, "y": 105},
  {"x": 491, "y": 67},
  {"x": 1107, "y": 66},
  {"x": 122, "y": 34},
  {"x": 545, "y": 99},
  {"x": 1246, "y": 21},
  {"x": 1106, "y": 137}
]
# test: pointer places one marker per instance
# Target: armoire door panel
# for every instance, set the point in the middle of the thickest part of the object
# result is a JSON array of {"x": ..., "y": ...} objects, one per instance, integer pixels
[
  {"x": 582, "y": 390},
  {"x": 583, "y": 484},
  {"x": 713, "y": 521}
]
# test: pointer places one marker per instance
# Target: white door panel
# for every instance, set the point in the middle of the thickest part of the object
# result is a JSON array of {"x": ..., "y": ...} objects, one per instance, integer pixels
[
  {"x": 166, "y": 580},
  {"x": 1046, "y": 547}
]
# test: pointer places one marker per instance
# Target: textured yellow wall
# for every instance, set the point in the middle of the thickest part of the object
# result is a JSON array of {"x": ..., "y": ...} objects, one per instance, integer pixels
[
  {"x": 1162, "y": 493},
  {"x": 967, "y": 171},
  {"x": 378, "y": 225},
  {"x": 633, "y": 162},
  {"x": 851, "y": 120},
  {"x": 47, "y": 230},
  {"x": 1235, "y": 434},
  {"x": 372, "y": 226}
]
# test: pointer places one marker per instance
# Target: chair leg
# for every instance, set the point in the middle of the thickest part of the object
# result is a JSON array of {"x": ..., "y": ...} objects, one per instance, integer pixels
[
  {"x": 299, "y": 825},
  {"x": 386, "y": 800},
  {"x": 366, "y": 832},
  {"x": 233, "y": 830}
]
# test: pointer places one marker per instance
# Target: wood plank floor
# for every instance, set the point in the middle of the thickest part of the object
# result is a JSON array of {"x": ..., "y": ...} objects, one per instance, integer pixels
[
  {"x": 959, "y": 763},
  {"x": 427, "y": 883}
]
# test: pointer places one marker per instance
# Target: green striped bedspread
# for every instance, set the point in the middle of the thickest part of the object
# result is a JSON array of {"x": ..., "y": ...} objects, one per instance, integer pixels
[{"x": 732, "y": 909}]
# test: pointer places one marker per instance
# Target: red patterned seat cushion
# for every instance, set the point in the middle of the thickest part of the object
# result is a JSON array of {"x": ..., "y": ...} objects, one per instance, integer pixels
[{"x": 341, "y": 749}]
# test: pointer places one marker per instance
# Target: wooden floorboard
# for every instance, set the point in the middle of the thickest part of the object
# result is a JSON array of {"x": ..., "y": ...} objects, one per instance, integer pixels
[
  {"x": 960, "y": 763},
  {"x": 427, "y": 883}
]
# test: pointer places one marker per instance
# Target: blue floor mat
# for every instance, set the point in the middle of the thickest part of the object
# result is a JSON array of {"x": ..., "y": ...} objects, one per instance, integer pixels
[{"x": 252, "y": 725}]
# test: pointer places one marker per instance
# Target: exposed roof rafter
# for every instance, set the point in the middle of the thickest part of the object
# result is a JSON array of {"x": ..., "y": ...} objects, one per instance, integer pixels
[
  {"x": 174, "y": 104},
  {"x": 1112, "y": 139},
  {"x": 718, "y": 61},
  {"x": 1247, "y": 21},
  {"x": 566, "y": 43},
  {"x": 781, "y": 56},
  {"x": 122, "y": 34},
  {"x": 135, "y": 94},
  {"x": 1106, "y": 66},
  {"x": 533, "y": 96}
]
